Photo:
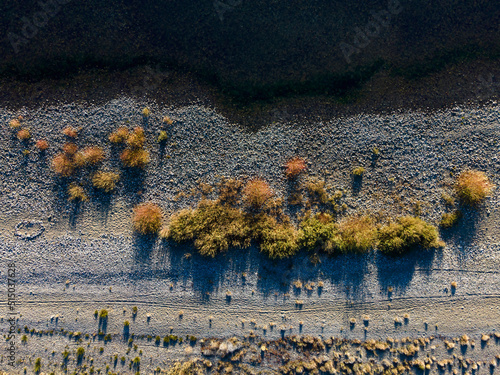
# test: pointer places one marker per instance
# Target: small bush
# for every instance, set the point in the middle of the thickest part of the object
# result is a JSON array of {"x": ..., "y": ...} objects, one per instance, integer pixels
[
  {"x": 358, "y": 171},
  {"x": 256, "y": 193},
  {"x": 146, "y": 112},
  {"x": 76, "y": 193},
  {"x": 229, "y": 190},
  {"x": 167, "y": 120},
  {"x": 103, "y": 314},
  {"x": 319, "y": 232},
  {"x": 358, "y": 234},
  {"x": 317, "y": 191},
  {"x": 80, "y": 352},
  {"x": 120, "y": 135},
  {"x": 92, "y": 155},
  {"x": 15, "y": 123},
  {"x": 105, "y": 181},
  {"x": 408, "y": 232},
  {"x": 135, "y": 158},
  {"x": 279, "y": 242},
  {"x": 212, "y": 226},
  {"x": 126, "y": 323},
  {"x": 23, "y": 134},
  {"x": 136, "y": 138},
  {"x": 147, "y": 218},
  {"x": 70, "y": 149},
  {"x": 42, "y": 144},
  {"x": 162, "y": 136},
  {"x": 294, "y": 167},
  {"x": 473, "y": 186},
  {"x": 70, "y": 132},
  {"x": 449, "y": 219},
  {"x": 63, "y": 165},
  {"x": 38, "y": 365}
]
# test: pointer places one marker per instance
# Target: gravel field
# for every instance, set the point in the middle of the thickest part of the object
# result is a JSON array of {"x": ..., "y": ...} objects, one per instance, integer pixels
[{"x": 94, "y": 248}]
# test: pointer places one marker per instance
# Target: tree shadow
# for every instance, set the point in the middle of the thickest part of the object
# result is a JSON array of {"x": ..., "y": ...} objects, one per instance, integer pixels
[
  {"x": 356, "y": 183},
  {"x": 142, "y": 249},
  {"x": 133, "y": 182},
  {"x": 396, "y": 272},
  {"x": 462, "y": 235}
]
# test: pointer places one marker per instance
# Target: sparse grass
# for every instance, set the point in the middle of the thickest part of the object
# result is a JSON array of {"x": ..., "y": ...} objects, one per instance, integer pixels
[
  {"x": 449, "y": 219},
  {"x": 76, "y": 193},
  {"x": 135, "y": 158},
  {"x": 376, "y": 151},
  {"x": 473, "y": 186},
  {"x": 70, "y": 132},
  {"x": 42, "y": 144},
  {"x": 120, "y": 135},
  {"x": 358, "y": 171},
  {"x": 294, "y": 167},
  {"x": 103, "y": 314},
  {"x": 80, "y": 352},
  {"x": 147, "y": 218},
  {"x": 406, "y": 233},
  {"x": 229, "y": 190},
  {"x": 448, "y": 199},
  {"x": 257, "y": 192},
  {"x": 105, "y": 181}
]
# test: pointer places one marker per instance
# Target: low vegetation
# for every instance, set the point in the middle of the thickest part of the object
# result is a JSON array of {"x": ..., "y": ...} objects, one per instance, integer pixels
[
  {"x": 358, "y": 171},
  {"x": 76, "y": 193},
  {"x": 42, "y": 144},
  {"x": 256, "y": 193},
  {"x": 472, "y": 187},
  {"x": 135, "y": 156},
  {"x": 70, "y": 132},
  {"x": 23, "y": 134},
  {"x": 295, "y": 167},
  {"x": 406, "y": 233},
  {"x": 147, "y": 218},
  {"x": 120, "y": 135},
  {"x": 450, "y": 219},
  {"x": 105, "y": 181}
]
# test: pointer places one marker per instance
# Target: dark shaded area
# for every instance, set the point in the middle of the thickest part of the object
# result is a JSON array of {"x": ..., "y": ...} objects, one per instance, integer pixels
[{"x": 242, "y": 54}]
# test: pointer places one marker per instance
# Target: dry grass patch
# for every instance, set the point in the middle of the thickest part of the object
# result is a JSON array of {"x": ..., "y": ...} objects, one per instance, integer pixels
[
  {"x": 147, "y": 218},
  {"x": 42, "y": 144},
  {"x": 70, "y": 149},
  {"x": 15, "y": 123},
  {"x": 76, "y": 193},
  {"x": 105, "y": 181},
  {"x": 450, "y": 219},
  {"x": 63, "y": 165},
  {"x": 120, "y": 135},
  {"x": 70, "y": 132},
  {"x": 93, "y": 155},
  {"x": 473, "y": 186},
  {"x": 135, "y": 158},
  {"x": 23, "y": 134},
  {"x": 137, "y": 138},
  {"x": 256, "y": 193},
  {"x": 294, "y": 167}
]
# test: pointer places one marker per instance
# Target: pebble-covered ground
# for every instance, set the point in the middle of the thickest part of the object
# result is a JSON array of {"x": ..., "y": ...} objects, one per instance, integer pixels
[{"x": 87, "y": 257}]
